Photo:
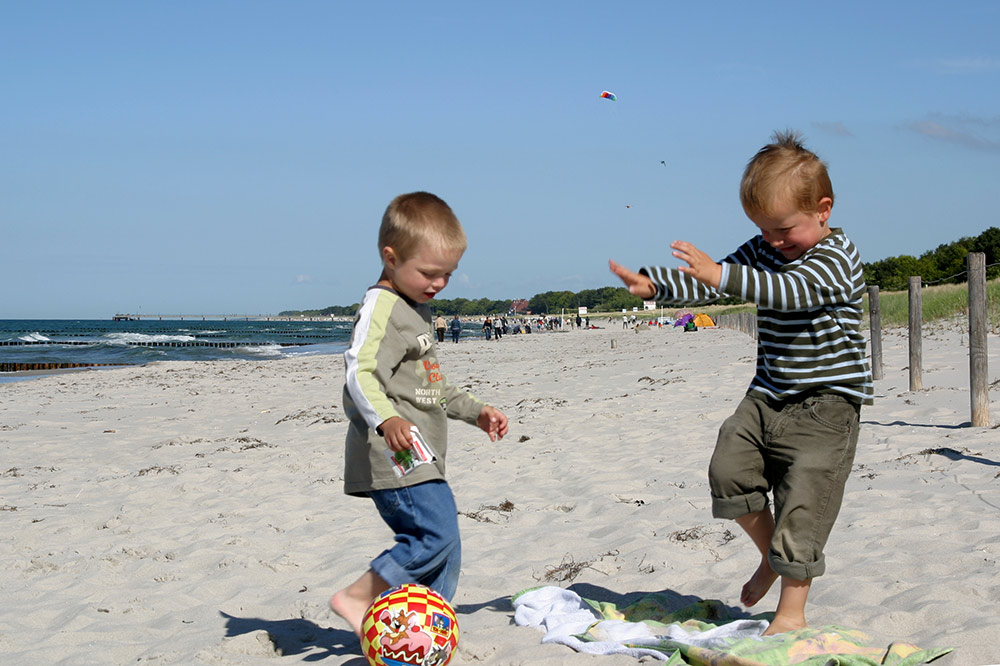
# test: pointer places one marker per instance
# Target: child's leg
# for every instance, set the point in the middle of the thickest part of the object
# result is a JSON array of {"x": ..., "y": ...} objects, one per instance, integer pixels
[
  {"x": 428, "y": 548},
  {"x": 739, "y": 482},
  {"x": 351, "y": 602},
  {"x": 759, "y": 526},
  {"x": 427, "y": 551},
  {"x": 815, "y": 451},
  {"x": 791, "y": 612}
]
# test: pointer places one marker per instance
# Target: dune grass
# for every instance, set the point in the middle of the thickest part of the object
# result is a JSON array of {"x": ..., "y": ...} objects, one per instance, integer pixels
[{"x": 937, "y": 302}]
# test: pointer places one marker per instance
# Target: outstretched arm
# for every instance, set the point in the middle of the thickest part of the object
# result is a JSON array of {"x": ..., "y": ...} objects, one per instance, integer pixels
[
  {"x": 637, "y": 284},
  {"x": 700, "y": 266}
]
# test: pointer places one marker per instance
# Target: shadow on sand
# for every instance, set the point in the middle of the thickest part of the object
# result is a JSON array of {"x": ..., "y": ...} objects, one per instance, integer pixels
[
  {"x": 299, "y": 636},
  {"x": 303, "y": 637},
  {"x": 959, "y": 426},
  {"x": 952, "y": 454}
]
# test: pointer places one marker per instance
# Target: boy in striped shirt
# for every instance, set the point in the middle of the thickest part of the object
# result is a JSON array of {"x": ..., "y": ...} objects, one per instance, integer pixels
[{"x": 795, "y": 432}]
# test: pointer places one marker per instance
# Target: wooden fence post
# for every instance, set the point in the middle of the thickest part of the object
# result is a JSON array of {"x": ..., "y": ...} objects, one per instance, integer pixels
[
  {"x": 875, "y": 319},
  {"x": 745, "y": 322},
  {"x": 978, "y": 374},
  {"x": 916, "y": 315}
]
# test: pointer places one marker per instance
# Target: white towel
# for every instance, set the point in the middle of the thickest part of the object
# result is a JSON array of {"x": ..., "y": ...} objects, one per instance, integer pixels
[{"x": 563, "y": 615}]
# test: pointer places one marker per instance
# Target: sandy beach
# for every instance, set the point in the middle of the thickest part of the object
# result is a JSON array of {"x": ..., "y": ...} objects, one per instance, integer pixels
[{"x": 193, "y": 513}]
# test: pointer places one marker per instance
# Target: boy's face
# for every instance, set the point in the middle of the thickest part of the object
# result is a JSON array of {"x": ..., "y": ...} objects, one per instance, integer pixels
[
  {"x": 422, "y": 276},
  {"x": 791, "y": 231}
]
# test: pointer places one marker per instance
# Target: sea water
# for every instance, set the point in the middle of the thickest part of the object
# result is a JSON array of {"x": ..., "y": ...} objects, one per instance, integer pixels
[
  {"x": 51, "y": 344},
  {"x": 32, "y": 346}
]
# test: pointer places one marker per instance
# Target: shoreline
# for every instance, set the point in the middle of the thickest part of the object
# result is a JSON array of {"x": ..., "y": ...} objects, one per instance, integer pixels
[{"x": 193, "y": 511}]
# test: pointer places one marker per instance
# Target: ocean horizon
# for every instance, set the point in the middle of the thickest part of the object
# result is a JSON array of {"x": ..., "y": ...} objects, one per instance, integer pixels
[{"x": 30, "y": 347}]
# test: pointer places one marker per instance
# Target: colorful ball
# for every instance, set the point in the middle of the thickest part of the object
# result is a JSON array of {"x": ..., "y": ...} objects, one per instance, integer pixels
[{"x": 409, "y": 625}]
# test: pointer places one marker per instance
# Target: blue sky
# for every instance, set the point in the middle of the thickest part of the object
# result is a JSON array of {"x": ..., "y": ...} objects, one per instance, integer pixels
[{"x": 236, "y": 157}]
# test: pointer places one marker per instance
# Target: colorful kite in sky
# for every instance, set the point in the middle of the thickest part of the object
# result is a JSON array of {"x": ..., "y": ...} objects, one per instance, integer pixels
[{"x": 609, "y": 95}]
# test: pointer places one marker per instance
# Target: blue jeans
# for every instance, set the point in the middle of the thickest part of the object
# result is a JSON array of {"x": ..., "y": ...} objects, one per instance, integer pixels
[{"x": 428, "y": 549}]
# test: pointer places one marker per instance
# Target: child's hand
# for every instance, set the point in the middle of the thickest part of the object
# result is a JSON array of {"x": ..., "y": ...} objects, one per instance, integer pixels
[
  {"x": 700, "y": 266},
  {"x": 493, "y": 422},
  {"x": 637, "y": 284},
  {"x": 396, "y": 431}
]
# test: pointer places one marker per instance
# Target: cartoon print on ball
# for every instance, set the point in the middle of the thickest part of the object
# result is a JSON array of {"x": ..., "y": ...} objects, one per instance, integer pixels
[{"x": 409, "y": 625}]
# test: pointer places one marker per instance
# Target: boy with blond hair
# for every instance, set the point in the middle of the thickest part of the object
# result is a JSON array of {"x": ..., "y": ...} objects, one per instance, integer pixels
[
  {"x": 795, "y": 432},
  {"x": 393, "y": 382}
]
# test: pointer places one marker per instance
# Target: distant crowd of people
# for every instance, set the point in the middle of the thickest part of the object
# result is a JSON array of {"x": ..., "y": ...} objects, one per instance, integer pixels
[{"x": 494, "y": 327}]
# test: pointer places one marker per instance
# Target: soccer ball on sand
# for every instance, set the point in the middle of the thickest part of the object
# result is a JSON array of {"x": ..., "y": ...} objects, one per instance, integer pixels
[{"x": 409, "y": 625}]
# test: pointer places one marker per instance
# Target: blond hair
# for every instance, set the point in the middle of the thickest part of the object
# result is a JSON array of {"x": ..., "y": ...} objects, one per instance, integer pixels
[
  {"x": 784, "y": 170},
  {"x": 416, "y": 219}
]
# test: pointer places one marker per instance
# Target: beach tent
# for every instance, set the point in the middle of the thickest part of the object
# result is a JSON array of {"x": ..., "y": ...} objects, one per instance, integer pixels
[{"x": 701, "y": 320}]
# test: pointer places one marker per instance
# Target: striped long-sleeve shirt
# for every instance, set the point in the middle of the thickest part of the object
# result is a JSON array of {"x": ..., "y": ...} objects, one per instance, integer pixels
[{"x": 809, "y": 314}]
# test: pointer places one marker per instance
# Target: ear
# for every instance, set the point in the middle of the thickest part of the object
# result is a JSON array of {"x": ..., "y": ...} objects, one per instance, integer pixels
[
  {"x": 823, "y": 209},
  {"x": 389, "y": 257}
]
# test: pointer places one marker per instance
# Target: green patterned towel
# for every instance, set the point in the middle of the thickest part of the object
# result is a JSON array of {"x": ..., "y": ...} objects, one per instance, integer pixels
[{"x": 704, "y": 633}]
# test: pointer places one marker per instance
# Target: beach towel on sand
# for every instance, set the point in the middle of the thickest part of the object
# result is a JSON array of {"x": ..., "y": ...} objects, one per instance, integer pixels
[{"x": 701, "y": 633}]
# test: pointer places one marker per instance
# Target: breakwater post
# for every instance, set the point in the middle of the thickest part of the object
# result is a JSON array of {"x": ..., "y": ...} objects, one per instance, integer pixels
[
  {"x": 916, "y": 316},
  {"x": 875, "y": 324},
  {"x": 978, "y": 371}
]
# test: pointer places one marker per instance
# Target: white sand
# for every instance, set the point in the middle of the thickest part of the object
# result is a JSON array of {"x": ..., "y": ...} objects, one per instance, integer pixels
[{"x": 189, "y": 513}]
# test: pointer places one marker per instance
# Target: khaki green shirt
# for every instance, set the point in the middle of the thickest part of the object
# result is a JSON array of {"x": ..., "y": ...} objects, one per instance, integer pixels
[{"x": 392, "y": 370}]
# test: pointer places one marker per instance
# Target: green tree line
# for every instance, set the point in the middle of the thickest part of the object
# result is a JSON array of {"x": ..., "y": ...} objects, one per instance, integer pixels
[
  {"x": 605, "y": 299},
  {"x": 447, "y": 307},
  {"x": 946, "y": 263}
]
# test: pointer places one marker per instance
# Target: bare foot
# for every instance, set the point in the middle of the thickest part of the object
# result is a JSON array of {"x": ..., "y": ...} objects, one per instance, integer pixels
[
  {"x": 349, "y": 608},
  {"x": 791, "y": 612},
  {"x": 352, "y": 601},
  {"x": 758, "y": 585},
  {"x": 780, "y": 625}
]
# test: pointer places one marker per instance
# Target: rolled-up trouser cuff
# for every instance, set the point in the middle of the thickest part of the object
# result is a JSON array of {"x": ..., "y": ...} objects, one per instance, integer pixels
[
  {"x": 797, "y": 570},
  {"x": 390, "y": 571},
  {"x": 739, "y": 506}
]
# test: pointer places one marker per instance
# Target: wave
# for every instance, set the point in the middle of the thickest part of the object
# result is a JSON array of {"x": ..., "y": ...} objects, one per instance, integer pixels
[
  {"x": 125, "y": 338},
  {"x": 265, "y": 350},
  {"x": 320, "y": 349},
  {"x": 34, "y": 337}
]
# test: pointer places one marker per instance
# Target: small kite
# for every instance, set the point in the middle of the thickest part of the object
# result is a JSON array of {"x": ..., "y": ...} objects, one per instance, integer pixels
[{"x": 609, "y": 95}]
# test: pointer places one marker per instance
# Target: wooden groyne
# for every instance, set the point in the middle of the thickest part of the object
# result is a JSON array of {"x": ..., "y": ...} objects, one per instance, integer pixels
[
  {"x": 123, "y": 316},
  {"x": 153, "y": 343},
  {"x": 217, "y": 345},
  {"x": 200, "y": 334},
  {"x": 34, "y": 367},
  {"x": 26, "y": 343}
]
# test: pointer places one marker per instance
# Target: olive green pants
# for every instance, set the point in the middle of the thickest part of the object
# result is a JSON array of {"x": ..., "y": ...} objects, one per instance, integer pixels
[{"x": 801, "y": 452}]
